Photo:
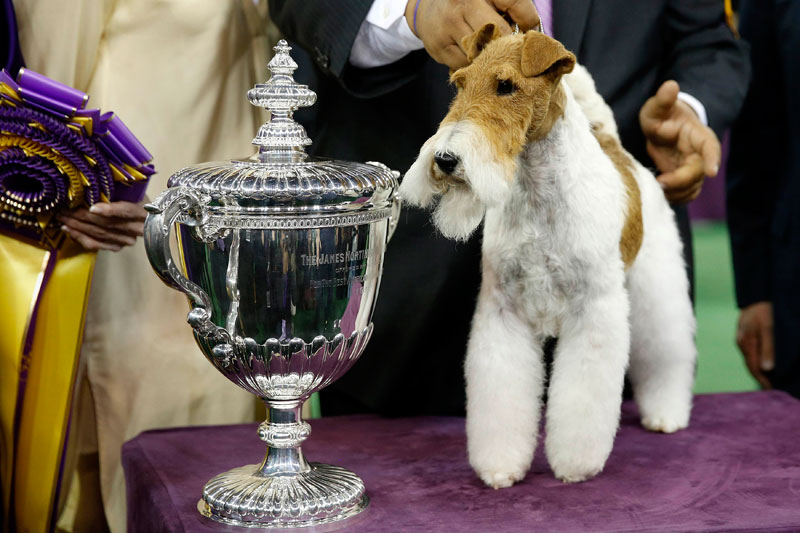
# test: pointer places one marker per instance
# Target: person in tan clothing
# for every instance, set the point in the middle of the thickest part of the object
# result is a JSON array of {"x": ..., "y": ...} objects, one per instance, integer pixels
[{"x": 177, "y": 72}]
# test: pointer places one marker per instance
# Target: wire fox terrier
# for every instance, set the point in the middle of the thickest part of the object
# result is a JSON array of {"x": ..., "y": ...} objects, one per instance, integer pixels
[{"x": 579, "y": 243}]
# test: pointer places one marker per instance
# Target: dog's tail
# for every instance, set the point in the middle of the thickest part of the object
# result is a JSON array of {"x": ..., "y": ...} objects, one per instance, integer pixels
[{"x": 594, "y": 107}]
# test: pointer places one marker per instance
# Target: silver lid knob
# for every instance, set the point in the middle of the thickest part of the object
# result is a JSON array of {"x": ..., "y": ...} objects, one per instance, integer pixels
[{"x": 281, "y": 137}]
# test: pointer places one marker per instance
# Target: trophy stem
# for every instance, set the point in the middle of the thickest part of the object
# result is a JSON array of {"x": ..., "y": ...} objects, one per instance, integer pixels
[
  {"x": 284, "y": 431},
  {"x": 284, "y": 490}
]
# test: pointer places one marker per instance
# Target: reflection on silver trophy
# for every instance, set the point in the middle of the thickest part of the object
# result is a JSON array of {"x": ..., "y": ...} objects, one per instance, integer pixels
[{"x": 281, "y": 259}]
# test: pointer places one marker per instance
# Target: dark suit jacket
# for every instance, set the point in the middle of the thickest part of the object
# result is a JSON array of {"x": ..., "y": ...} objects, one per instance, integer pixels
[
  {"x": 413, "y": 364},
  {"x": 764, "y": 179}
]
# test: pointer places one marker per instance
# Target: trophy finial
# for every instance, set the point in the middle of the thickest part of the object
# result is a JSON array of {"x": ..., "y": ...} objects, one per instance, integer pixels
[
  {"x": 282, "y": 62},
  {"x": 281, "y": 95}
]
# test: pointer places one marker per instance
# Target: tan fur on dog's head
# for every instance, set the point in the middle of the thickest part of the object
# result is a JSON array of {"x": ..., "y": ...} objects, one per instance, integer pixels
[
  {"x": 511, "y": 89},
  {"x": 510, "y": 95}
]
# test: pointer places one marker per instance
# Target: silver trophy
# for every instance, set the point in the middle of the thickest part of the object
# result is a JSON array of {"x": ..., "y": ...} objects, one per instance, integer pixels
[{"x": 281, "y": 258}]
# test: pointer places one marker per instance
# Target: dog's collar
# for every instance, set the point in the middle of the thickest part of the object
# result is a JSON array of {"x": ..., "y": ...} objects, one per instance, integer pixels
[{"x": 540, "y": 29}]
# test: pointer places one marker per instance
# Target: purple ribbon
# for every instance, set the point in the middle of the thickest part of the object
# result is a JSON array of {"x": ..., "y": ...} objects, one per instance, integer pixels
[
  {"x": 31, "y": 181},
  {"x": 52, "y": 115},
  {"x": 64, "y": 102},
  {"x": 35, "y": 85}
]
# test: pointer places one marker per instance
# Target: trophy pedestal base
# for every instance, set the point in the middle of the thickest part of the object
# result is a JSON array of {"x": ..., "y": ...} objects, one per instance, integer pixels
[{"x": 325, "y": 494}]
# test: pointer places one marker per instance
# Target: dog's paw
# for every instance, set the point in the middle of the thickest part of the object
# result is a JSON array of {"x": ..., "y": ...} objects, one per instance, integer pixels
[
  {"x": 577, "y": 458},
  {"x": 576, "y": 474},
  {"x": 500, "y": 458},
  {"x": 500, "y": 467},
  {"x": 664, "y": 424},
  {"x": 500, "y": 479}
]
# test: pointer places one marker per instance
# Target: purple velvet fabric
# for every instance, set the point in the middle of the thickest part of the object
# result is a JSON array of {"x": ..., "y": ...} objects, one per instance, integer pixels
[{"x": 736, "y": 468}]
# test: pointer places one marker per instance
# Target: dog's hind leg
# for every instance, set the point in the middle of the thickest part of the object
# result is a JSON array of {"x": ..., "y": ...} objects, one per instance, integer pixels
[
  {"x": 662, "y": 327},
  {"x": 583, "y": 401},
  {"x": 504, "y": 375}
]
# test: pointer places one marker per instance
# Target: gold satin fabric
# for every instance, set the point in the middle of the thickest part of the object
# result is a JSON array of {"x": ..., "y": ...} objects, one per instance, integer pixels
[{"x": 52, "y": 363}]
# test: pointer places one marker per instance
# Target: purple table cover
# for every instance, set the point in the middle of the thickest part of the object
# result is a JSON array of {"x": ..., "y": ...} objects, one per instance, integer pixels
[{"x": 737, "y": 468}]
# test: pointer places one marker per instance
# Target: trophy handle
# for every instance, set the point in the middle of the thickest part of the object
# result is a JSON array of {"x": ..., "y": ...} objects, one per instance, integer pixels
[
  {"x": 394, "y": 217},
  {"x": 162, "y": 214}
]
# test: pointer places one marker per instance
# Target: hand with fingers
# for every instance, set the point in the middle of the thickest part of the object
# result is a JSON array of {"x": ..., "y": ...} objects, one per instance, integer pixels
[
  {"x": 683, "y": 149},
  {"x": 442, "y": 24},
  {"x": 105, "y": 226},
  {"x": 755, "y": 339}
]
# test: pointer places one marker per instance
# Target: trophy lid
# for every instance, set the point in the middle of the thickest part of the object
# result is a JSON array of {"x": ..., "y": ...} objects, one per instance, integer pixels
[{"x": 280, "y": 176}]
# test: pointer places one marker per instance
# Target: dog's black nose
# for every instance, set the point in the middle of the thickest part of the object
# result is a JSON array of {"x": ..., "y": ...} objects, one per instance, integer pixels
[{"x": 445, "y": 161}]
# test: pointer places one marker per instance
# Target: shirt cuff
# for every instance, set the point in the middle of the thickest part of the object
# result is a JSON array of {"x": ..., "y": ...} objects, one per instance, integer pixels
[
  {"x": 384, "y": 36},
  {"x": 696, "y": 105}
]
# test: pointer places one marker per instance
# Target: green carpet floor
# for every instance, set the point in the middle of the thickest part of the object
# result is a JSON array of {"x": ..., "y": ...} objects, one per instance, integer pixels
[{"x": 720, "y": 366}]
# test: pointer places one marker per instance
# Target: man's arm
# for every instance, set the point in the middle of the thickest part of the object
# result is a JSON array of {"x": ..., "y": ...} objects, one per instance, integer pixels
[
  {"x": 385, "y": 36},
  {"x": 707, "y": 60},
  {"x": 326, "y": 29},
  {"x": 709, "y": 64}
]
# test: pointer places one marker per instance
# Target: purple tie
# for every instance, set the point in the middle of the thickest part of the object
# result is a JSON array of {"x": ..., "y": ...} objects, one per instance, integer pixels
[{"x": 545, "y": 9}]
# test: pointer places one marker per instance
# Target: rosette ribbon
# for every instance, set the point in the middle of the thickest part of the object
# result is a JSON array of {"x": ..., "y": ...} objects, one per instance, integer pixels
[{"x": 55, "y": 155}]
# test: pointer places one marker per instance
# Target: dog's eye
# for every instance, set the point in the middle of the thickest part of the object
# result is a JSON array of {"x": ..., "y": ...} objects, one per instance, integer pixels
[{"x": 505, "y": 87}]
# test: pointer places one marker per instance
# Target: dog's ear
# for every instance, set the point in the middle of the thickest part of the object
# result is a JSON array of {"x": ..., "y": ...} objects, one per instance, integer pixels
[
  {"x": 544, "y": 55},
  {"x": 473, "y": 44}
]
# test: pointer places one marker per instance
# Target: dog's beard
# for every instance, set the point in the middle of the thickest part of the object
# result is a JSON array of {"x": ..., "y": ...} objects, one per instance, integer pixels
[
  {"x": 480, "y": 181},
  {"x": 458, "y": 214}
]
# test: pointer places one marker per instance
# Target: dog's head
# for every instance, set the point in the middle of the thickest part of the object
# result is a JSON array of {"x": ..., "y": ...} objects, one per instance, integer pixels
[{"x": 508, "y": 96}]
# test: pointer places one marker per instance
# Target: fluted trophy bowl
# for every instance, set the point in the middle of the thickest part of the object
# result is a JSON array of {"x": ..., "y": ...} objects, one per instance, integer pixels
[{"x": 281, "y": 257}]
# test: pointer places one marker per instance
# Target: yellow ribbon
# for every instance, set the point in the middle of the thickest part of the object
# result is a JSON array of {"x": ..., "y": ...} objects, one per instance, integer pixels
[
  {"x": 52, "y": 366},
  {"x": 9, "y": 92},
  {"x": 730, "y": 18}
]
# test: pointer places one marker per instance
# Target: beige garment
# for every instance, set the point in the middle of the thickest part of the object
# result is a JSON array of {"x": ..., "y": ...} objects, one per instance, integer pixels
[{"x": 176, "y": 71}]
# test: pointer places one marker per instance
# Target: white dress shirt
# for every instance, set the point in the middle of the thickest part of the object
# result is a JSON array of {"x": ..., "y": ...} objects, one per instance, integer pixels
[{"x": 384, "y": 36}]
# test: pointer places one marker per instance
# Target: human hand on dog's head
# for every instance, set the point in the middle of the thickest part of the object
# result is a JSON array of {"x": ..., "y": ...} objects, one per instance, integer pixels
[
  {"x": 443, "y": 24},
  {"x": 683, "y": 149}
]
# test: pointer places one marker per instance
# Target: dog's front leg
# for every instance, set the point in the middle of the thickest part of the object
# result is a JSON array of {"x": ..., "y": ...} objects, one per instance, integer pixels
[
  {"x": 504, "y": 384},
  {"x": 583, "y": 402}
]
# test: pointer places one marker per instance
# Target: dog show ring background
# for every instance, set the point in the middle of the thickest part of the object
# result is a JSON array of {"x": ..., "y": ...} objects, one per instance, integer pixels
[{"x": 720, "y": 365}]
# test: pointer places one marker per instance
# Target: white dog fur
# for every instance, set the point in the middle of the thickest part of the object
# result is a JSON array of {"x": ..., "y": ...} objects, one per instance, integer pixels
[{"x": 552, "y": 267}]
